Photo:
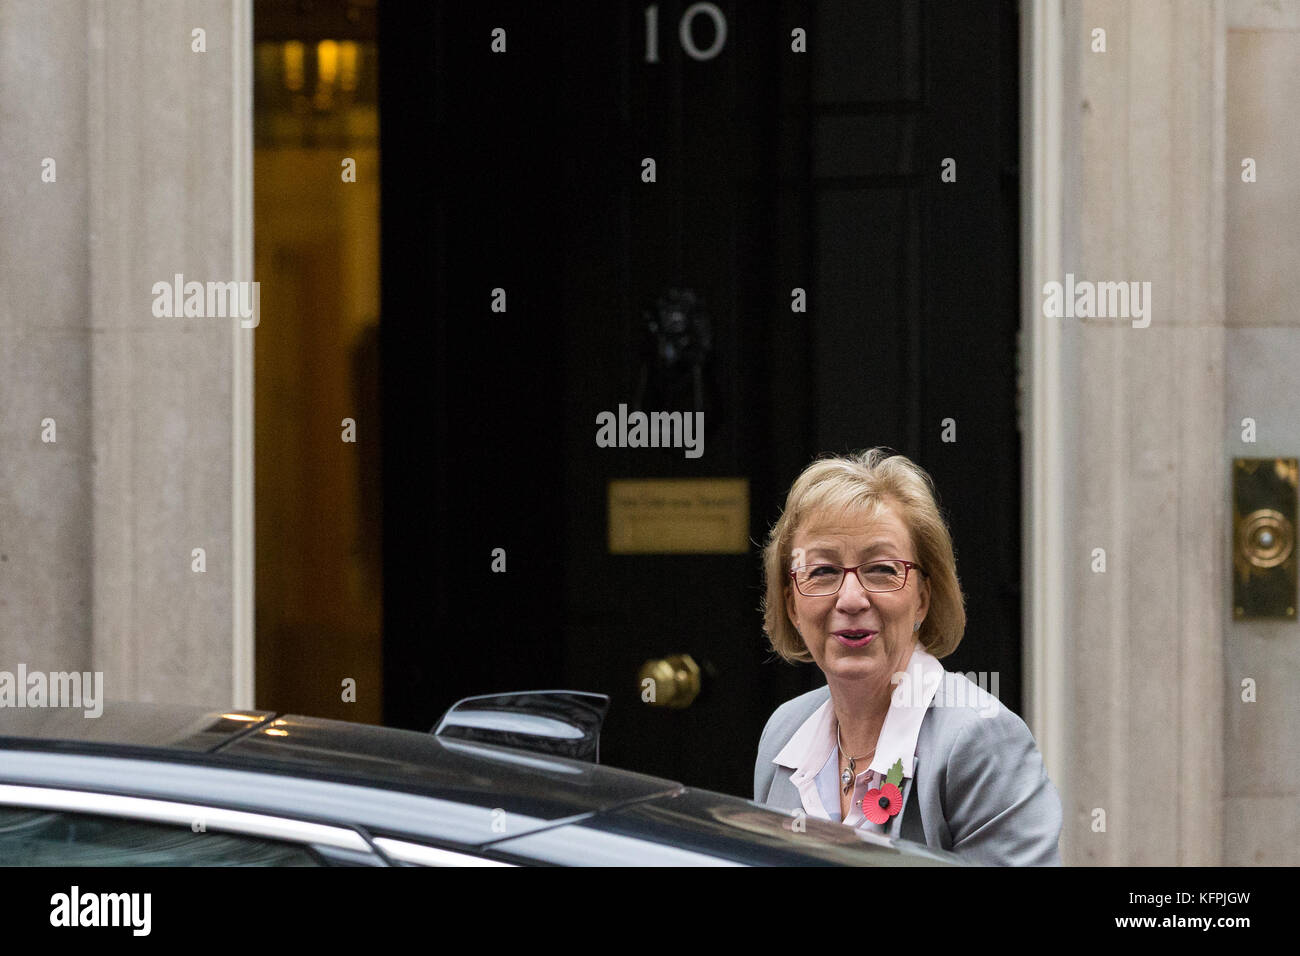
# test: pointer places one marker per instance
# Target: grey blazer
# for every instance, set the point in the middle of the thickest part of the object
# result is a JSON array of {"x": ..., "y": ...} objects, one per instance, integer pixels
[{"x": 978, "y": 785}]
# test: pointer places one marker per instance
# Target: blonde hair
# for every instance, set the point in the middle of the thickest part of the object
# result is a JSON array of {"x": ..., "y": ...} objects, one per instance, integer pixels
[{"x": 862, "y": 484}]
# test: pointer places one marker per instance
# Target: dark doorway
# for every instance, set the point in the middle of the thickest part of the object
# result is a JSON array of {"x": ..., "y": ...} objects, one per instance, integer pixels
[{"x": 522, "y": 171}]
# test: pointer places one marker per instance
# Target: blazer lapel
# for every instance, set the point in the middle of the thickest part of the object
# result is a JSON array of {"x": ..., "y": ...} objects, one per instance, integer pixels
[{"x": 896, "y": 824}]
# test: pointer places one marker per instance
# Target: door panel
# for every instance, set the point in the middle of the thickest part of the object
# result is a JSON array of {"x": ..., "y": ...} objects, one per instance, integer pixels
[{"x": 775, "y": 171}]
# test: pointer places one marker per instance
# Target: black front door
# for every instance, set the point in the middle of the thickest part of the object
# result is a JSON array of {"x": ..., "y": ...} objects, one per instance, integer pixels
[{"x": 836, "y": 293}]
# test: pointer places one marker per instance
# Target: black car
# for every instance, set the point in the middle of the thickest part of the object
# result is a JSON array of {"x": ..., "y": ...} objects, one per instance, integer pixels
[{"x": 502, "y": 780}]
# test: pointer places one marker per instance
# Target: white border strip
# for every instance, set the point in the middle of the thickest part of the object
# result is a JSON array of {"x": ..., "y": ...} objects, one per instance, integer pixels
[
  {"x": 183, "y": 815},
  {"x": 422, "y": 855},
  {"x": 243, "y": 661},
  {"x": 1042, "y": 207}
]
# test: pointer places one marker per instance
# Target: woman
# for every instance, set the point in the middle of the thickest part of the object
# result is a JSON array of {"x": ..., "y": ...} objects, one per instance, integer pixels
[{"x": 861, "y": 580}]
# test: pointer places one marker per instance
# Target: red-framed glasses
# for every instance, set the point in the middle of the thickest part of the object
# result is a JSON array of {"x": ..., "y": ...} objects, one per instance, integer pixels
[{"x": 879, "y": 574}]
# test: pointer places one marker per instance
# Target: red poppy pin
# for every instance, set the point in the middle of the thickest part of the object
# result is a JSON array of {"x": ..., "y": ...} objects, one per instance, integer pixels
[{"x": 879, "y": 805}]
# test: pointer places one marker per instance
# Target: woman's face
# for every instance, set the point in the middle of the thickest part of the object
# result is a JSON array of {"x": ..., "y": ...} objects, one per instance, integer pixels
[{"x": 833, "y": 626}]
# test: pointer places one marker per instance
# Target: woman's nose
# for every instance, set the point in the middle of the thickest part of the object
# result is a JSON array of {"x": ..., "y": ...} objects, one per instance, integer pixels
[{"x": 852, "y": 591}]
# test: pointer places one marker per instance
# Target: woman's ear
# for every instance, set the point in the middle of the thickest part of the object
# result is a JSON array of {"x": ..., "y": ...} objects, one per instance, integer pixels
[{"x": 790, "y": 607}]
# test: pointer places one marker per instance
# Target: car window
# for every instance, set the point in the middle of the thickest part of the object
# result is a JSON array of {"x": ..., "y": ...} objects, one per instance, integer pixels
[{"x": 32, "y": 837}]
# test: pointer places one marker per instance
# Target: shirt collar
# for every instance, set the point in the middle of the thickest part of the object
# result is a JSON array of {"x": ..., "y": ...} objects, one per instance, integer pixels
[{"x": 810, "y": 746}]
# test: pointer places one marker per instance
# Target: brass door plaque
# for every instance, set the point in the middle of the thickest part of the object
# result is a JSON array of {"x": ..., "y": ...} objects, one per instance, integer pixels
[
  {"x": 1263, "y": 538},
  {"x": 679, "y": 516}
]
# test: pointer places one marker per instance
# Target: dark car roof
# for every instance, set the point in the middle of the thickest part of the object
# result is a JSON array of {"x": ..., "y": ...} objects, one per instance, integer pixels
[
  {"x": 134, "y": 724},
  {"x": 333, "y": 749},
  {"x": 411, "y": 785}
]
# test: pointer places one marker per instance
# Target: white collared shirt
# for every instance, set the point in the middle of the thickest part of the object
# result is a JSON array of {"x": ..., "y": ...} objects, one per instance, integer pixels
[{"x": 812, "y": 751}]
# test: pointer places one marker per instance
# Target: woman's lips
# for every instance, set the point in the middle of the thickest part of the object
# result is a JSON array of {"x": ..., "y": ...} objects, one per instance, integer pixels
[{"x": 855, "y": 637}]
